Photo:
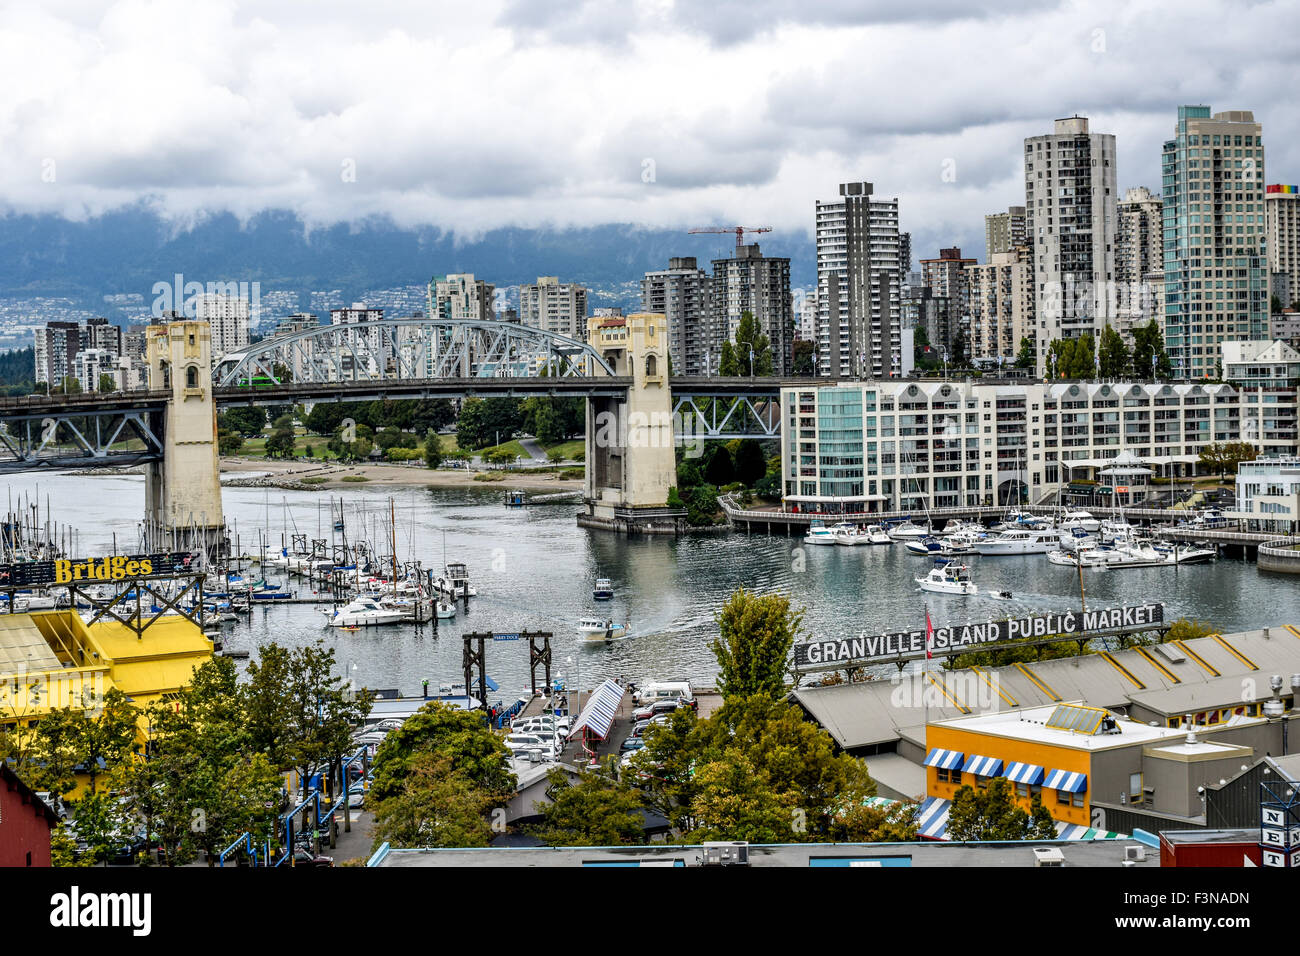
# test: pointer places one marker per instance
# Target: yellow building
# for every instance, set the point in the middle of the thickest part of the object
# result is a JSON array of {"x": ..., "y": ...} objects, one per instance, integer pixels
[
  {"x": 52, "y": 659},
  {"x": 1063, "y": 754}
]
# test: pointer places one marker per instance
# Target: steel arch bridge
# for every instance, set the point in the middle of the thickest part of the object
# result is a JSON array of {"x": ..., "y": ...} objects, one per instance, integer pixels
[{"x": 409, "y": 349}]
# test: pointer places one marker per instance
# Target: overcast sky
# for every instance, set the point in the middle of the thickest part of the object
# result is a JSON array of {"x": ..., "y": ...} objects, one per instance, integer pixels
[{"x": 483, "y": 113}]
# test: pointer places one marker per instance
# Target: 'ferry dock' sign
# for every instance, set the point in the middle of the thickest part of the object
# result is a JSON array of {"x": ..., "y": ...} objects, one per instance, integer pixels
[{"x": 960, "y": 638}]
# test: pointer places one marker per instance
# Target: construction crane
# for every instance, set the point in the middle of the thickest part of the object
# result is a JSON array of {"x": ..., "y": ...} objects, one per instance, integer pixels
[{"x": 738, "y": 230}]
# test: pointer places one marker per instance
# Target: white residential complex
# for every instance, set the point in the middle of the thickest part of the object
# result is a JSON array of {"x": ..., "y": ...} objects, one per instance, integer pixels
[
  {"x": 1139, "y": 261},
  {"x": 859, "y": 285},
  {"x": 1070, "y": 221},
  {"x": 228, "y": 317},
  {"x": 1282, "y": 210},
  {"x": 1001, "y": 304},
  {"x": 462, "y": 297},
  {"x": 554, "y": 306},
  {"x": 861, "y": 447},
  {"x": 1216, "y": 275}
]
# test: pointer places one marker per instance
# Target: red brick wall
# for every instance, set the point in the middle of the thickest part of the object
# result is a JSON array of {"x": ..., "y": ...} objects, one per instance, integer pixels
[{"x": 24, "y": 829}]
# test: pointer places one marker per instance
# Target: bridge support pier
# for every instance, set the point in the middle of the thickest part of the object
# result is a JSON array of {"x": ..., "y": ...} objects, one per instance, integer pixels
[
  {"x": 631, "y": 458},
  {"x": 183, "y": 491}
]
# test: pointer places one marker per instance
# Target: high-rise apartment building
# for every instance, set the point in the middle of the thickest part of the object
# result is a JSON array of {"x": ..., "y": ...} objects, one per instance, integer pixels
[
  {"x": 1139, "y": 261},
  {"x": 1070, "y": 214},
  {"x": 1216, "y": 273},
  {"x": 461, "y": 297},
  {"x": 1000, "y": 299},
  {"x": 554, "y": 306},
  {"x": 859, "y": 285},
  {"x": 681, "y": 292},
  {"x": 1003, "y": 231},
  {"x": 57, "y": 346},
  {"x": 1282, "y": 212},
  {"x": 760, "y": 285},
  {"x": 371, "y": 351},
  {"x": 102, "y": 334},
  {"x": 228, "y": 317}
]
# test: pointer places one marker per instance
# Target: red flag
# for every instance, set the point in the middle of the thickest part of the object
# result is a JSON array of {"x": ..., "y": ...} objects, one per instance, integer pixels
[{"x": 929, "y": 635}]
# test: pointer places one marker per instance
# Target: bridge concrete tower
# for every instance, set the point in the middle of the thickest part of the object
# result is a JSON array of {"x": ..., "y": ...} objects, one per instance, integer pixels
[
  {"x": 631, "y": 463},
  {"x": 183, "y": 491}
]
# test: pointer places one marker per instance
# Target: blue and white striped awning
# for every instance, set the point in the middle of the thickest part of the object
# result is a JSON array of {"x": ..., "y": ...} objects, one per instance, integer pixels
[
  {"x": 982, "y": 766},
  {"x": 932, "y": 823},
  {"x": 1064, "y": 780},
  {"x": 944, "y": 759},
  {"x": 1077, "y": 831},
  {"x": 1026, "y": 773},
  {"x": 598, "y": 715}
]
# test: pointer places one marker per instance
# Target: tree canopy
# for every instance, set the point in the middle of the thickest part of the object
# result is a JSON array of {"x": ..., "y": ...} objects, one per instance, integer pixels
[{"x": 755, "y": 636}]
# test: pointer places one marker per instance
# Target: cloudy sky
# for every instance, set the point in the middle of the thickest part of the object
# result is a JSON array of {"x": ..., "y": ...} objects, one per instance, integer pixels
[{"x": 472, "y": 115}]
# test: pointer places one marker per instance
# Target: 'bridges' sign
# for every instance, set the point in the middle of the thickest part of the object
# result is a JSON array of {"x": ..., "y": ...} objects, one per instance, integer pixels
[{"x": 959, "y": 638}]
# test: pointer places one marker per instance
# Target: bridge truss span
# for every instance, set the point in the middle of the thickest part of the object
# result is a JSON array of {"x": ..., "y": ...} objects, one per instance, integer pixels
[
  {"x": 58, "y": 434},
  {"x": 396, "y": 350}
]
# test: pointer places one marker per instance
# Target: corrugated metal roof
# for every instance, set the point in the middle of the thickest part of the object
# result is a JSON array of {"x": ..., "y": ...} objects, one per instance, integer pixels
[
  {"x": 876, "y": 712},
  {"x": 23, "y": 648}
]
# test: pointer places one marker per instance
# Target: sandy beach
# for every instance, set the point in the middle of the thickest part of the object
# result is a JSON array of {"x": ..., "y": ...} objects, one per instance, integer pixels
[{"x": 389, "y": 474}]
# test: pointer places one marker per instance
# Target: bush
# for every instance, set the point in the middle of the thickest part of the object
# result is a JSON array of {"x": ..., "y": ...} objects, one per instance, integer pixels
[
  {"x": 355, "y": 478},
  {"x": 573, "y": 474},
  {"x": 396, "y": 453}
]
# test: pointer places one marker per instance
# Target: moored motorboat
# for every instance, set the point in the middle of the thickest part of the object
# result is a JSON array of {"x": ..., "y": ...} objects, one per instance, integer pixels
[
  {"x": 818, "y": 533},
  {"x": 1017, "y": 541},
  {"x": 603, "y": 590},
  {"x": 365, "y": 612}
]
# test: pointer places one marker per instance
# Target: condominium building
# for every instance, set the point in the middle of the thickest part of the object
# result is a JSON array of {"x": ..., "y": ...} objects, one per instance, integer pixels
[
  {"x": 861, "y": 447},
  {"x": 1216, "y": 273},
  {"x": 681, "y": 292},
  {"x": 301, "y": 322},
  {"x": 228, "y": 317},
  {"x": 1000, "y": 300},
  {"x": 57, "y": 344},
  {"x": 554, "y": 306},
  {"x": 760, "y": 285},
  {"x": 1139, "y": 261},
  {"x": 1003, "y": 231},
  {"x": 859, "y": 280},
  {"x": 461, "y": 296},
  {"x": 370, "y": 351},
  {"x": 1070, "y": 221},
  {"x": 90, "y": 364},
  {"x": 1282, "y": 215},
  {"x": 806, "y": 309},
  {"x": 936, "y": 316},
  {"x": 102, "y": 334},
  {"x": 1268, "y": 494}
]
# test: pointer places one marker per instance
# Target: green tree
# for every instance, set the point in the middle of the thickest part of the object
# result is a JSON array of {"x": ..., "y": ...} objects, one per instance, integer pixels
[
  {"x": 435, "y": 806},
  {"x": 736, "y": 353},
  {"x": 1072, "y": 358},
  {"x": 432, "y": 450},
  {"x": 247, "y": 420},
  {"x": 755, "y": 636},
  {"x": 1148, "y": 343},
  {"x": 991, "y": 813},
  {"x": 718, "y": 466},
  {"x": 1226, "y": 457},
  {"x": 733, "y": 801},
  {"x": 229, "y": 443},
  {"x": 599, "y": 810},
  {"x": 750, "y": 463},
  {"x": 281, "y": 443},
  {"x": 1025, "y": 358},
  {"x": 109, "y": 735},
  {"x": 1115, "y": 358},
  {"x": 1185, "y": 629},
  {"x": 459, "y": 736},
  {"x": 57, "y": 750},
  {"x": 106, "y": 383},
  {"x": 803, "y": 358}
]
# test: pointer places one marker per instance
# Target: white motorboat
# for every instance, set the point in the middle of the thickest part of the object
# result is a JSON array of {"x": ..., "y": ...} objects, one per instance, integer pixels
[
  {"x": 1113, "y": 529},
  {"x": 601, "y": 629},
  {"x": 445, "y": 609},
  {"x": 454, "y": 582},
  {"x": 908, "y": 531},
  {"x": 948, "y": 578},
  {"x": 1077, "y": 540},
  {"x": 876, "y": 535},
  {"x": 1187, "y": 554},
  {"x": 1021, "y": 541},
  {"x": 924, "y": 547},
  {"x": 850, "y": 535},
  {"x": 603, "y": 590},
  {"x": 818, "y": 533},
  {"x": 365, "y": 612},
  {"x": 1079, "y": 519}
]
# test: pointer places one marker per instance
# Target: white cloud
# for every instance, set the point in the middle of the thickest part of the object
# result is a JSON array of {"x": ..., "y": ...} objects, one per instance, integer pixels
[{"x": 470, "y": 117}]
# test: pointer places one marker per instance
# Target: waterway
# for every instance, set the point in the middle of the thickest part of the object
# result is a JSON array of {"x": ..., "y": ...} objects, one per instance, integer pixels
[{"x": 534, "y": 569}]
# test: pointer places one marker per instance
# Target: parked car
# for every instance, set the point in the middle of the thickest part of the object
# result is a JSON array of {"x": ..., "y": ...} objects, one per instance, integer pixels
[
  {"x": 641, "y": 725},
  {"x": 665, "y": 706},
  {"x": 305, "y": 857},
  {"x": 631, "y": 745}
]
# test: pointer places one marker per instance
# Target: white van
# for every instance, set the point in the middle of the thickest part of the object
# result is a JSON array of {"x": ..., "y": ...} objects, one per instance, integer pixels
[{"x": 664, "y": 690}]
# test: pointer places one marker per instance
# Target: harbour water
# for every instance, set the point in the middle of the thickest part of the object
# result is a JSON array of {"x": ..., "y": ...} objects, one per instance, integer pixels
[{"x": 534, "y": 569}]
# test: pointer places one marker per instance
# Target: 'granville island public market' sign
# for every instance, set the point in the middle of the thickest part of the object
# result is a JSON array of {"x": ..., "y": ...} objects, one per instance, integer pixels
[{"x": 963, "y": 637}]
